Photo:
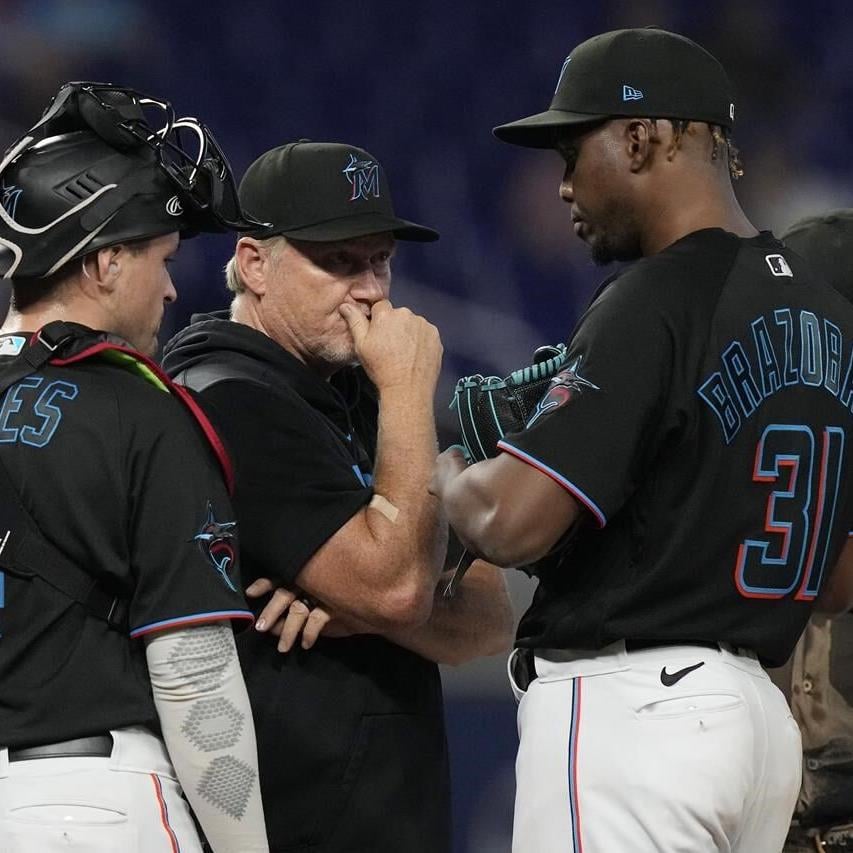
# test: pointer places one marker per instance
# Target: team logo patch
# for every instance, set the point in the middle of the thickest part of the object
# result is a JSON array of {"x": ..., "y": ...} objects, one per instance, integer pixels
[
  {"x": 12, "y": 344},
  {"x": 215, "y": 543},
  {"x": 9, "y": 198},
  {"x": 629, "y": 93},
  {"x": 779, "y": 266},
  {"x": 564, "y": 387},
  {"x": 363, "y": 177}
]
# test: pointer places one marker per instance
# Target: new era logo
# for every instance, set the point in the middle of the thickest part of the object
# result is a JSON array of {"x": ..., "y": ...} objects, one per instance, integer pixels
[
  {"x": 629, "y": 93},
  {"x": 779, "y": 266},
  {"x": 562, "y": 73}
]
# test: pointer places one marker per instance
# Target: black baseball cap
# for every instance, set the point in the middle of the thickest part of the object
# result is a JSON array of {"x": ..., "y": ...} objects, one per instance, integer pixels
[
  {"x": 323, "y": 191},
  {"x": 826, "y": 242},
  {"x": 646, "y": 72}
]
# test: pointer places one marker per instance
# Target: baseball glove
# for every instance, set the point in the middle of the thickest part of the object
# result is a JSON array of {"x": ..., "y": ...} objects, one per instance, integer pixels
[{"x": 489, "y": 407}]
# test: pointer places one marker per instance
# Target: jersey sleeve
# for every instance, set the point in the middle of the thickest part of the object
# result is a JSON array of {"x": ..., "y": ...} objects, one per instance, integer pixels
[
  {"x": 183, "y": 532},
  {"x": 596, "y": 428},
  {"x": 297, "y": 482}
]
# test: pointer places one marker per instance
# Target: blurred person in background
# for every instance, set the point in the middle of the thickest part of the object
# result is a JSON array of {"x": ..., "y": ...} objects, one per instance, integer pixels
[{"x": 818, "y": 679}]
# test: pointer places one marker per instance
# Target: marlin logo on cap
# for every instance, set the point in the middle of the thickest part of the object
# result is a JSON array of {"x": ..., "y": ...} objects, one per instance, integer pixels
[
  {"x": 363, "y": 176},
  {"x": 9, "y": 198},
  {"x": 629, "y": 93}
]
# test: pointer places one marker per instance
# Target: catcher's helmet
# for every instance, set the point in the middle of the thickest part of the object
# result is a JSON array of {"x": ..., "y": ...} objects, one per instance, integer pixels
[{"x": 106, "y": 165}]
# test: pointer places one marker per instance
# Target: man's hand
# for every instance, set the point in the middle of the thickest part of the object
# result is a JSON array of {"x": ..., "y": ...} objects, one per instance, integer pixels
[
  {"x": 299, "y": 618},
  {"x": 449, "y": 465},
  {"x": 396, "y": 347}
]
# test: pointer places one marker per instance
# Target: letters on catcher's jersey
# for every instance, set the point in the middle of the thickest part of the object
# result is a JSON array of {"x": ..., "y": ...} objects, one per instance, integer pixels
[{"x": 710, "y": 445}]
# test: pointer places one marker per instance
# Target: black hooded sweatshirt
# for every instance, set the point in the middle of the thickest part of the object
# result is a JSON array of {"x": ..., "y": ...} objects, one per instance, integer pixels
[{"x": 351, "y": 737}]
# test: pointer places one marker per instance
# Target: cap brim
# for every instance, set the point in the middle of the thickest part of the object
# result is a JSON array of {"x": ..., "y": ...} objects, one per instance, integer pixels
[
  {"x": 349, "y": 227},
  {"x": 540, "y": 130}
]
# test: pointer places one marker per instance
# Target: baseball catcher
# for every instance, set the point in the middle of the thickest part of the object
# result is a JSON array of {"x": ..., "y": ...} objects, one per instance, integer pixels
[{"x": 119, "y": 577}]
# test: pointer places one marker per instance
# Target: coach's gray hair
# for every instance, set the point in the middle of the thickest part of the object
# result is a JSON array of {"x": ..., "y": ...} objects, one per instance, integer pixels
[{"x": 232, "y": 275}]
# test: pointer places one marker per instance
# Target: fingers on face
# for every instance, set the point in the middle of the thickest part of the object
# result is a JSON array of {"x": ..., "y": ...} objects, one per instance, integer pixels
[
  {"x": 381, "y": 307},
  {"x": 356, "y": 321}
]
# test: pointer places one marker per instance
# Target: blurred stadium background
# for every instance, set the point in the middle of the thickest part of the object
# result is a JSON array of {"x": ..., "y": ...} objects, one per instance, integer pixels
[{"x": 420, "y": 84}]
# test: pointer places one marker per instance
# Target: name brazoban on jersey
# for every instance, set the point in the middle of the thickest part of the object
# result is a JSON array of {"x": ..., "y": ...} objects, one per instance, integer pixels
[{"x": 787, "y": 349}]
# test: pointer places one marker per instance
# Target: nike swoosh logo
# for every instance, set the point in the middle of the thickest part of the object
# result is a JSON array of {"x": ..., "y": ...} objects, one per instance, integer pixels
[{"x": 668, "y": 679}]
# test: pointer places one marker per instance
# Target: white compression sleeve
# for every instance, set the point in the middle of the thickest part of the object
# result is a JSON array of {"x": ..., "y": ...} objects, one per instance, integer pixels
[{"x": 207, "y": 725}]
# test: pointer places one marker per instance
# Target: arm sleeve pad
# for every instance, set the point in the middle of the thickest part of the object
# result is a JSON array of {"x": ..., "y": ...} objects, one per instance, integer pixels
[{"x": 207, "y": 725}]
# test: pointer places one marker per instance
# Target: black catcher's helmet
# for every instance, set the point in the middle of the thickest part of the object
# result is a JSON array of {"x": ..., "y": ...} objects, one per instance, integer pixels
[{"x": 106, "y": 165}]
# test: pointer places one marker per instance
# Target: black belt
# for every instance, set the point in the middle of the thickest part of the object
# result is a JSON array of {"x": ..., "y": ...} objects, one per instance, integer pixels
[
  {"x": 98, "y": 746},
  {"x": 639, "y": 645},
  {"x": 524, "y": 665}
]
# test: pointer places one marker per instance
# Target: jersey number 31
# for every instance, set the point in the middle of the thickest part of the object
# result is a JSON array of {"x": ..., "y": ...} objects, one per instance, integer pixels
[{"x": 800, "y": 512}]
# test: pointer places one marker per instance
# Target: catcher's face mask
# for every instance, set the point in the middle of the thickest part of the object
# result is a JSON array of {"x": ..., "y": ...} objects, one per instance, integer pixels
[{"x": 107, "y": 164}]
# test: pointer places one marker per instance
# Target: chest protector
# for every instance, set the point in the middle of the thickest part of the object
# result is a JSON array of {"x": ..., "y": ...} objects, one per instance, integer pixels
[{"x": 25, "y": 552}]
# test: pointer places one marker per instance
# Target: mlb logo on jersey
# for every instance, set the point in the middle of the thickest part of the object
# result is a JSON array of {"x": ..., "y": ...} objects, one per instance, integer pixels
[
  {"x": 779, "y": 266},
  {"x": 12, "y": 345}
]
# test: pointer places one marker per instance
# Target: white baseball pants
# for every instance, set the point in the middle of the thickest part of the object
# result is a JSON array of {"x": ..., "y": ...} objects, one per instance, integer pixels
[
  {"x": 613, "y": 760},
  {"x": 128, "y": 802}
]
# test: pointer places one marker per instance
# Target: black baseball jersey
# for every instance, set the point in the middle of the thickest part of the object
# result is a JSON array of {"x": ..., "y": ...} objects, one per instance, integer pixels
[
  {"x": 351, "y": 738},
  {"x": 704, "y": 423},
  {"x": 118, "y": 477}
]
